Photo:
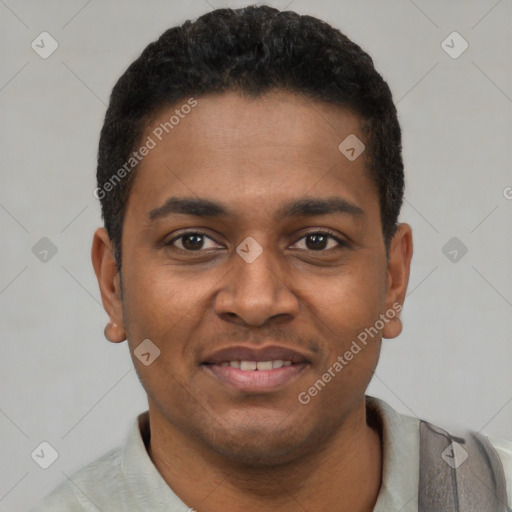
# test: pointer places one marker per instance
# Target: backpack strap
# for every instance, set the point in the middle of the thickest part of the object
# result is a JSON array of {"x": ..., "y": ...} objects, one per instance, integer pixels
[{"x": 459, "y": 474}]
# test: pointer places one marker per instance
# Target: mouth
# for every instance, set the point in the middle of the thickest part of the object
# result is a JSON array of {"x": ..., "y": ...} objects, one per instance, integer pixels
[{"x": 255, "y": 371}]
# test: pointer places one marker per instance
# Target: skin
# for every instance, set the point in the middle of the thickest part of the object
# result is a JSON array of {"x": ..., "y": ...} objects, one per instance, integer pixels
[{"x": 221, "y": 449}]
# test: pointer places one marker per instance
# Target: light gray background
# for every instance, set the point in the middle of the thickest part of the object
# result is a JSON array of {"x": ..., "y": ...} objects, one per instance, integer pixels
[{"x": 62, "y": 382}]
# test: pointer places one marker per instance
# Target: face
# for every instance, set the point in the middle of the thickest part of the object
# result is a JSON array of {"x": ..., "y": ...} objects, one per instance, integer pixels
[{"x": 251, "y": 241}]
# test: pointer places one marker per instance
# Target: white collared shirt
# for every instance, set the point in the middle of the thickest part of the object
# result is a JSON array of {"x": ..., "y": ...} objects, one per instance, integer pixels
[{"x": 126, "y": 480}]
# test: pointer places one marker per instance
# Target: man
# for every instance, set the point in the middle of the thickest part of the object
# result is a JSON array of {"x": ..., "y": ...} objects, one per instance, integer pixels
[{"x": 250, "y": 178}]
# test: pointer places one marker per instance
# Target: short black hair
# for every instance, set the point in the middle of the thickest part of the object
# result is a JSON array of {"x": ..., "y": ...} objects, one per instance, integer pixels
[{"x": 251, "y": 50}]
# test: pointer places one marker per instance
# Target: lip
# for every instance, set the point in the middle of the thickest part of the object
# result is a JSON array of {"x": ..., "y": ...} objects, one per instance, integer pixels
[
  {"x": 246, "y": 353},
  {"x": 255, "y": 381}
]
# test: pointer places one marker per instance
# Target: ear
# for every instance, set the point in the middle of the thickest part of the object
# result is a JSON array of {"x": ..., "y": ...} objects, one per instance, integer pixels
[
  {"x": 399, "y": 264},
  {"x": 105, "y": 267}
]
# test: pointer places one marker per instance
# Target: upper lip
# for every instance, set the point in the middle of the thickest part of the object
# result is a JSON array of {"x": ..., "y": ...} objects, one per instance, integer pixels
[{"x": 247, "y": 353}]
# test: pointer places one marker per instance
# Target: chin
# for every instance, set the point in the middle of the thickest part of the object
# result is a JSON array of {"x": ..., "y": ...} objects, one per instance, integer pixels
[
  {"x": 260, "y": 444},
  {"x": 258, "y": 450}
]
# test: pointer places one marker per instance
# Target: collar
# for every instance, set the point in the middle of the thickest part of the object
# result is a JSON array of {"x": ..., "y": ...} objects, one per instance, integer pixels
[
  {"x": 401, "y": 459},
  {"x": 399, "y": 488}
]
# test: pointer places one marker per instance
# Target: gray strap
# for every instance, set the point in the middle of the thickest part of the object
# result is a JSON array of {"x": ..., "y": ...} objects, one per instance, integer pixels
[{"x": 459, "y": 474}]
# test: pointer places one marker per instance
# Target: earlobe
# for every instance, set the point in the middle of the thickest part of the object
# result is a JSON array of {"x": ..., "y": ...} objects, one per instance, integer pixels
[
  {"x": 105, "y": 268},
  {"x": 399, "y": 264},
  {"x": 393, "y": 328},
  {"x": 114, "y": 333}
]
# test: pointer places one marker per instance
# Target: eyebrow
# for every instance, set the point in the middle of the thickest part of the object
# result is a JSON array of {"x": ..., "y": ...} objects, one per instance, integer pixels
[
  {"x": 299, "y": 208},
  {"x": 189, "y": 206},
  {"x": 317, "y": 206}
]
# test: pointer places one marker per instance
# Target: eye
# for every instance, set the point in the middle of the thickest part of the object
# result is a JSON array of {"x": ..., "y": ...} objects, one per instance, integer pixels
[
  {"x": 192, "y": 241},
  {"x": 320, "y": 241}
]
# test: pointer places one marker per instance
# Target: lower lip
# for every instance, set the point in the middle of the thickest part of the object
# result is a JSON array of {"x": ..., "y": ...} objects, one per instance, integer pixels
[{"x": 255, "y": 381}]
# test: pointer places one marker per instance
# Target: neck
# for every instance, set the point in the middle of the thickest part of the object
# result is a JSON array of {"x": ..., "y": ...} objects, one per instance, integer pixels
[{"x": 344, "y": 474}]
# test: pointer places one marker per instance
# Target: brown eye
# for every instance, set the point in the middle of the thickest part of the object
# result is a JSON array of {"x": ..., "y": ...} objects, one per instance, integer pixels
[
  {"x": 192, "y": 241},
  {"x": 316, "y": 241},
  {"x": 320, "y": 241}
]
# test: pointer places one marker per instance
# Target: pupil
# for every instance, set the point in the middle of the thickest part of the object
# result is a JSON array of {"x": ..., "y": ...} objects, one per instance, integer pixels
[
  {"x": 195, "y": 239},
  {"x": 318, "y": 242}
]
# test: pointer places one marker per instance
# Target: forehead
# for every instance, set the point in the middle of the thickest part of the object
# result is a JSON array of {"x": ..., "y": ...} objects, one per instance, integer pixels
[
  {"x": 290, "y": 125},
  {"x": 266, "y": 151}
]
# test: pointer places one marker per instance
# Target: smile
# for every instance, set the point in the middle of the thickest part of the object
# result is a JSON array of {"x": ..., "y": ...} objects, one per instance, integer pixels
[
  {"x": 255, "y": 368},
  {"x": 257, "y": 365},
  {"x": 255, "y": 376}
]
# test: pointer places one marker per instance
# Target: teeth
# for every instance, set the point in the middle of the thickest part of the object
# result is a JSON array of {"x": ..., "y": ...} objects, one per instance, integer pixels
[
  {"x": 264, "y": 365},
  {"x": 257, "y": 365}
]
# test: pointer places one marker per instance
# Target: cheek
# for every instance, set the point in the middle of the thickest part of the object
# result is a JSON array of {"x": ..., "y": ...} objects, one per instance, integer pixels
[
  {"x": 352, "y": 297},
  {"x": 167, "y": 307},
  {"x": 161, "y": 307},
  {"x": 348, "y": 307},
  {"x": 158, "y": 298}
]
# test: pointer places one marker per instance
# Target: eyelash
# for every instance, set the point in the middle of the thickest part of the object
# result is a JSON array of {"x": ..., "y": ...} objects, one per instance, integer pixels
[{"x": 341, "y": 243}]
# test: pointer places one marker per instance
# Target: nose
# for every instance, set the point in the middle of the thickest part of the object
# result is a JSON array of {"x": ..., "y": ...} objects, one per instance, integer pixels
[{"x": 255, "y": 293}]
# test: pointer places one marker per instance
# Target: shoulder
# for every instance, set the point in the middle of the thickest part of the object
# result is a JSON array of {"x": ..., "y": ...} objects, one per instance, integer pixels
[
  {"x": 503, "y": 448},
  {"x": 402, "y": 447},
  {"x": 88, "y": 488}
]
